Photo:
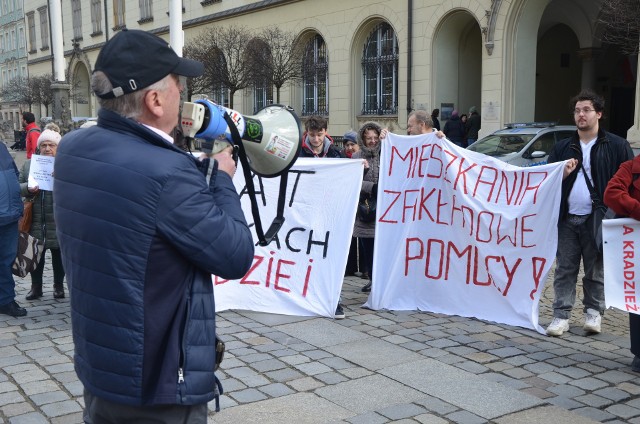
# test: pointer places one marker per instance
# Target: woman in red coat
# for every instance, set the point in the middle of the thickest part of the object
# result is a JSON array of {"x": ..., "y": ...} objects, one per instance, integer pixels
[{"x": 623, "y": 196}]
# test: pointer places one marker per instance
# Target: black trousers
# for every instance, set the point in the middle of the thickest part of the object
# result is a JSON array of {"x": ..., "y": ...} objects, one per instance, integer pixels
[
  {"x": 100, "y": 411},
  {"x": 634, "y": 333}
]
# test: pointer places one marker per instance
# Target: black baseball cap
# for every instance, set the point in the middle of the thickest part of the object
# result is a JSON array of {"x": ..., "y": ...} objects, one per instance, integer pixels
[{"x": 135, "y": 59}]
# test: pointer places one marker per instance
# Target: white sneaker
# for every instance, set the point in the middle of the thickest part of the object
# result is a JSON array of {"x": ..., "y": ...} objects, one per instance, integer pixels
[
  {"x": 558, "y": 326},
  {"x": 592, "y": 321}
]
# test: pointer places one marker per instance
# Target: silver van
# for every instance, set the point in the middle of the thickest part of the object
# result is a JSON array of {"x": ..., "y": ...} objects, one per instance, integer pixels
[{"x": 523, "y": 144}]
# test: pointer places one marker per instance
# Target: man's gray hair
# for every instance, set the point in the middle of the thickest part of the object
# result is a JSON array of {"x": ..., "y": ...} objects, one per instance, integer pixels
[
  {"x": 422, "y": 116},
  {"x": 129, "y": 105}
]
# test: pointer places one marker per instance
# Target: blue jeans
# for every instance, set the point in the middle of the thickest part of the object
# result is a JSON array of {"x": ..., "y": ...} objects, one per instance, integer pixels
[
  {"x": 8, "y": 250},
  {"x": 575, "y": 243}
]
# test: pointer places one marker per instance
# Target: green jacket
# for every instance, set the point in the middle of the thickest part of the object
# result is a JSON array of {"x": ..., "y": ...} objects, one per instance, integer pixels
[{"x": 43, "y": 226}]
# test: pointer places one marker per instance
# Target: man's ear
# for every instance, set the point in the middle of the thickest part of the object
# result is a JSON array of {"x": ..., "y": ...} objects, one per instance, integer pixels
[{"x": 153, "y": 102}]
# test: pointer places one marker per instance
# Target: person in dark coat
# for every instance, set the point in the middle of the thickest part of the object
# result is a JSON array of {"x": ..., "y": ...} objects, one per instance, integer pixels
[
  {"x": 10, "y": 212},
  {"x": 370, "y": 147},
  {"x": 43, "y": 224},
  {"x": 434, "y": 118},
  {"x": 141, "y": 233},
  {"x": 473, "y": 126},
  {"x": 596, "y": 154},
  {"x": 454, "y": 129}
]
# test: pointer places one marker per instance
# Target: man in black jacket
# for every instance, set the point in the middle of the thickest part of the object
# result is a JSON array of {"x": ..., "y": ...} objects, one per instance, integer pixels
[{"x": 594, "y": 153}]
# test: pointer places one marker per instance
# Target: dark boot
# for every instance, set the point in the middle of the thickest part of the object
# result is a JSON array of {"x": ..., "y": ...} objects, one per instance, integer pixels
[
  {"x": 35, "y": 292},
  {"x": 58, "y": 291}
]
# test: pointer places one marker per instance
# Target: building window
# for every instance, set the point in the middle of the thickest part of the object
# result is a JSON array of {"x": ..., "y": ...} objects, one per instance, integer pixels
[
  {"x": 21, "y": 39},
  {"x": 31, "y": 24},
  {"x": 262, "y": 96},
  {"x": 380, "y": 72},
  {"x": 96, "y": 17},
  {"x": 220, "y": 96},
  {"x": 76, "y": 17},
  {"x": 118, "y": 14},
  {"x": 44, "y": 28},
  {"x": 315, "y": 71},
  {"x": 146, "y": 11}
]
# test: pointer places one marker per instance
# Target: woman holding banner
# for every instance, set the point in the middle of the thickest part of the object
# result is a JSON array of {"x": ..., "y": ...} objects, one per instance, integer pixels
[
  {"x": 364, "y": 229},
  {"x": 623, "y": 196}
]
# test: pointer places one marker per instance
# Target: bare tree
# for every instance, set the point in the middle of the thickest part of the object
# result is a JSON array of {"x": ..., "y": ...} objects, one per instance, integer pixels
[
  {"x": 42, "y": 93},
  {"x": 276, "y": 58},
  {"x": 621, "y": 21},
  {"x": 19, "y": 90},
  {"x": 224, "y": 53}
]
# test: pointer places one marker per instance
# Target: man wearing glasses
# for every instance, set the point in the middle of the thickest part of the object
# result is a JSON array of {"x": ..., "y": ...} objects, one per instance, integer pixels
[{"x": 595, "y": 153}]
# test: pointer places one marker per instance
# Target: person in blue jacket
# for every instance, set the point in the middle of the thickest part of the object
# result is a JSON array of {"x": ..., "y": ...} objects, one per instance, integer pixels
[
  {"x": 141, "y": 232},
  {"x": 10, "y": 212}
]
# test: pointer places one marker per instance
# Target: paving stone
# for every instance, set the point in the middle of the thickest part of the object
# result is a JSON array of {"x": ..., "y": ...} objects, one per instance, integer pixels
[
  {"x": 269, "y": 365},
  {"x": 594, "y": 414},
  {"x": 248, "y": 395},
  {"x": 589, "y": 383},
  {"x": 565, "y": 402},
  {"x": 623, "y": 411},
  {"x": 465, "y": 417},
  {"x": 368, "y": 418},
  {"x": 544, "y": 414},
  {"x": 276, "y": 389},
  {"x": 331, "y": 377},
  {"x": 593, "y": 400},
  {"x": 49, "y": 397},
  {"x": 305, "y": 384},
  {"x": 398, "y": 412},
  {"x": 615, "y": 376},
  {"x": 30, "y": 418},
  {"x": 61, "y": 408},
  {"x": 430, "y": 419},
  {"x": 613, "y": 393}
]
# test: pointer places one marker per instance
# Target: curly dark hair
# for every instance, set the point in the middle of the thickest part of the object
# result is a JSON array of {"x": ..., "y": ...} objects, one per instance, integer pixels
[
  {"x": 588, "y": 95},
  {"x": 315, "y": 123}
]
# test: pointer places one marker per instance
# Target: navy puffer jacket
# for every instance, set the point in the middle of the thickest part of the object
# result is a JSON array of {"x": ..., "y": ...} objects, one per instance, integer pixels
[
  {"x": 10, "y": 201},
  {"x": 141, "y": 233}
]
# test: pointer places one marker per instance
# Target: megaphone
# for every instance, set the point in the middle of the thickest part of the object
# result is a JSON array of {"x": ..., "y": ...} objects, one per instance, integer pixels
[
  {"x": 268, "y": 144},
  {"x": 272, "y": 138}
]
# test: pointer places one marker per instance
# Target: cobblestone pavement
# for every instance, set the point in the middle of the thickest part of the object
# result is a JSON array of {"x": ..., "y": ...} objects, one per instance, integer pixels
[{"x": 372, "y": 367}]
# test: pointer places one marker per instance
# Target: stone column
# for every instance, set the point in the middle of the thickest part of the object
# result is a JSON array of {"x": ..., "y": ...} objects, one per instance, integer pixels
[{"x": 589, "y": 57}]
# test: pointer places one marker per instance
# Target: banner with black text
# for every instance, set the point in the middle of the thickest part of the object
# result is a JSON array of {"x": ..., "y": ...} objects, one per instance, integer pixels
[{"x": 301, "y": 271}]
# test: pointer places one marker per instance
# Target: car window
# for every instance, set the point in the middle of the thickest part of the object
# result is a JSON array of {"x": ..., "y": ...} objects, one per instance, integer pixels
[
  {"x": 544, "y": 143},
  {"x": 561, "y": 135},
  {"x": 499, "y": 145}
]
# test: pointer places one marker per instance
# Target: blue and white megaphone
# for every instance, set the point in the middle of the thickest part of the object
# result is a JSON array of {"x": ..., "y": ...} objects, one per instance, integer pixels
[
  {"x": 268, "y": 143},
  {"x": 271, "y": 138}
]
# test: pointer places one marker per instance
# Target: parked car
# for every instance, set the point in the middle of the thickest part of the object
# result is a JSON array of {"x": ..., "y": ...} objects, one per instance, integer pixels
[{"x": 523, "y": 144}]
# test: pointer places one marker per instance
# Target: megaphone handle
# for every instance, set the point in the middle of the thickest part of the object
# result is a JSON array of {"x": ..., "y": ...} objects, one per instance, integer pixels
[{"x": 235, "y": 135}]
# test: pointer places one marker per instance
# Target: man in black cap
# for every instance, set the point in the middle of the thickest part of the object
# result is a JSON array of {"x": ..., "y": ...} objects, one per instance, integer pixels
[{"x": 141, "y": 232}]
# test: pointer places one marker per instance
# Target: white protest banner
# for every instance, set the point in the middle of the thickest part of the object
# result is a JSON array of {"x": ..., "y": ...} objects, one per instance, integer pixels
[
  {"x": 462, "y": 233},
  {"x": 41, "y": 172},
  {"x": 621, "y": 264},
  {"x": 301, "y": 271}
]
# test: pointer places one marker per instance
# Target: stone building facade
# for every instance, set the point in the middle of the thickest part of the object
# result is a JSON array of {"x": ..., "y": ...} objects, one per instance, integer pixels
[{"x": 514, "y": 60}]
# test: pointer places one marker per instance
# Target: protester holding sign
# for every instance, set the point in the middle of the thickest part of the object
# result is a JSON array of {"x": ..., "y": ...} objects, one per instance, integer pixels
[
  {"x": 43, "y": 225},
  {"x": 365, "y": 227},
  {"x": 594, "y": 154},
  {"x": 623, "y": 196}
]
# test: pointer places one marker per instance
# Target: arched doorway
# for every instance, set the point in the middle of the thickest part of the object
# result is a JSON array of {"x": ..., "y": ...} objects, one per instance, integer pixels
[
  {"x": 80, "y": 91},
  {"x": 570, "y": 56},
  {"x": 457, "y": 71}
]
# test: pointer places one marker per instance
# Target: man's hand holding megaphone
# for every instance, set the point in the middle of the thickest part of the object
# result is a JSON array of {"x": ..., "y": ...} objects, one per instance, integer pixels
[{"x": 225, "y": 161}]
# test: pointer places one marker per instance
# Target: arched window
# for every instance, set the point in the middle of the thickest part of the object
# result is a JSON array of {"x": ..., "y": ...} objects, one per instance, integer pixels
[
  {"x": 315, "y": 71},
  {"x": 380, "y": 72},
  {"x": 261, "y": 65}
]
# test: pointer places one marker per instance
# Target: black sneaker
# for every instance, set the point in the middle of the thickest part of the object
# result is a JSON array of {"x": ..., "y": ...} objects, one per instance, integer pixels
[
  {"x": 635, "y": 364},
  {"x": 367, "y": 288},
  {"x": 13, "y": 309},
  {"x": 339, "y": 312}
]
